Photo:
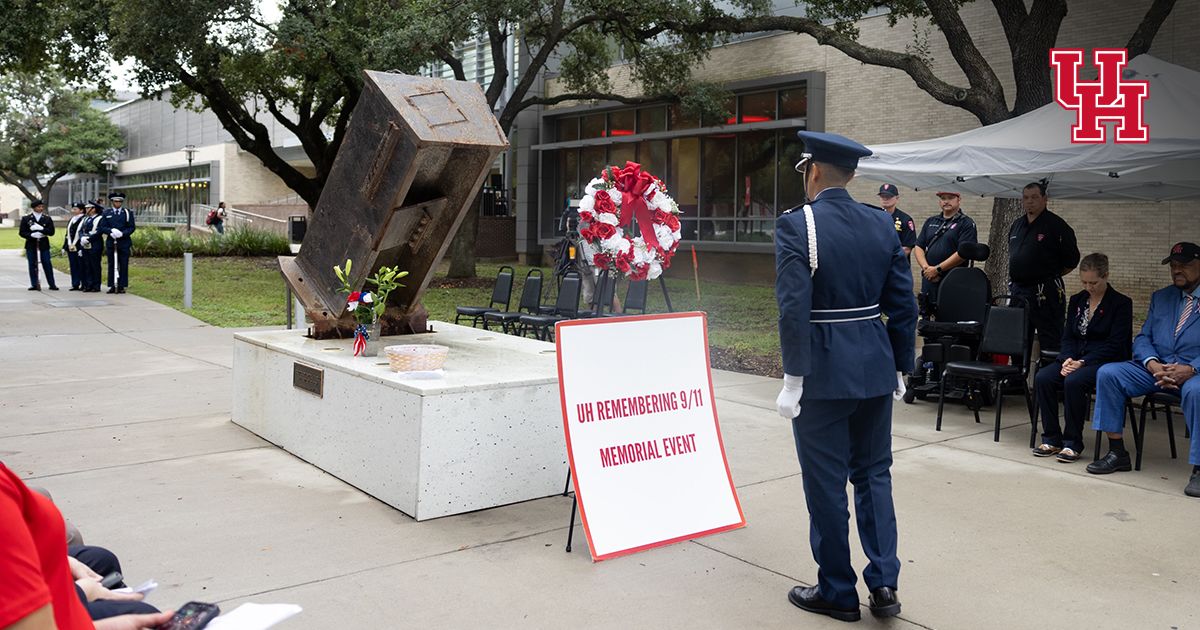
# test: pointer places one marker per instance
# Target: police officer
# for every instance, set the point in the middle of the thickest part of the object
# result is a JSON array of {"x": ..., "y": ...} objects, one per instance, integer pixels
[
  {"x": 119, "y": 225},
  {"x": 1041, "y": 250},
  {"x": 936, "y": 250},
  {"x": 91, "y": 241},
  {"x": 36, "y": 228},
  {"x": 889, "y": 195},
  {"x": 839, "y": 266},
  {"x": 71, "y": 245}
]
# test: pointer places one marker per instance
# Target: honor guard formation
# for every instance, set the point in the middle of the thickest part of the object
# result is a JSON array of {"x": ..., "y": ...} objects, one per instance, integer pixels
[{"x": 92, "y": 231}]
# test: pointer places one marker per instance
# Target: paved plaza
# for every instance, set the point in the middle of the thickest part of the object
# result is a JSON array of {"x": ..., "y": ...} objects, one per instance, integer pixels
[{"x": 121, "y": 408}]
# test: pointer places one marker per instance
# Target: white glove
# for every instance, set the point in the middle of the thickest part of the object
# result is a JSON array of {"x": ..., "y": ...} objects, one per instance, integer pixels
[
  {"x": 900, "y": 388},
  {"x": 36, "y": 227},
  {"x": 84, "y": 240},
  {"x": 116, "y": 233},
  {"x": 38, "y": 235},
  {"x": 788, "y": 401}
]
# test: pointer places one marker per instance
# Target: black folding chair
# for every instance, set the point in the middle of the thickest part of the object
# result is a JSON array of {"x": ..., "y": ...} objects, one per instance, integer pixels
[
  {"x": 606, "y": 288},
  {"x": 531, "y": 298},
  {"x": 1152, "y": 402},
  {"x": 635, "y": 298},
  {"x": 1005, "y": 332},
  {"x": 501, "y": 296},
  {"x": 565, "y": 307}
]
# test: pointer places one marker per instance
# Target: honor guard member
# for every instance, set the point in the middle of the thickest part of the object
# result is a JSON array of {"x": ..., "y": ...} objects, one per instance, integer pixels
[
  {"x": 91, "y": 241},
  {"x": 839, "y": 266},
  {"x": 1041, "y": 250},
  {"x": 120, "y": 225},
  {"x": 889, "y": 195},
  {"x": 937, "y": 246},
  {"x": 71, "y": 245},
  {"x": 36, "y": 228}
]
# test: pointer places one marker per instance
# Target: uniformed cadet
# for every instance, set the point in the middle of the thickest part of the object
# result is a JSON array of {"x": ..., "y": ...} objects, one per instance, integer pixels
[
  {"x": 936, "y": 250},
  {"x": 119, "y": 225},
  {"x": 889, "y": 195},
  {"x": 36, "y": 228},
  {"x": 839, "y": 266},
  {"x": 71, "y": 246},
  {"x": 91, "y": 241},
  {"x": 1041, "y": 250}
]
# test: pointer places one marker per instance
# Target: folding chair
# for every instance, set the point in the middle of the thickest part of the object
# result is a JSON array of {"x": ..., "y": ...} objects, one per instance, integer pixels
[
  {"x": 565, "y": 307},
  {"x": 635, "y": 299},
  {"x": 1152, "y": 402},
  {"x": 531, "y": 298},
  {"x": 501, "y": 296}
]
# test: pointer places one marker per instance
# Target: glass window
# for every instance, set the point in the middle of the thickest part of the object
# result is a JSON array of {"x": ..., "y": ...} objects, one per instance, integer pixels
[
  {"x": 793, "y": 103},
  {"x": 730, "y": 116},
  {"x": 756, "y": 173},
  {"x": 651, "y": 119},
  {"x": 619, "y": 154},
  {"x": 652, "y": 155},
  {"x": 566, "y": 129},
  {"x": 758, "y": 107},
  {"x": 718, "y": 189},
  {"x": 622, "y": 122},
  {"x": 681, "y": 119},
  {"x": 791, "y": 183},
  {"x": 592, "y": 160},
  {"x": 683, "y": 181},
  {"x": 566, "y": 178},
  {"x": 591, "y": 126}
]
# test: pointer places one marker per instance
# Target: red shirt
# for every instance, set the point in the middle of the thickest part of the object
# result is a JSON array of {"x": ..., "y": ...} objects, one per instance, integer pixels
[{"x": 33, "y": 558}]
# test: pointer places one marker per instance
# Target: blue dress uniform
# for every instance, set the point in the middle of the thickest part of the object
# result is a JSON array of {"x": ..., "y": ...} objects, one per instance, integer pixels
[
  {"x": 71, "y": 247},
  {"x": 832, "y": 335},
  {"x": 36, "y": 228},
  {"x": 92, "y": 245},
  {"x": 121, "y": 220}
]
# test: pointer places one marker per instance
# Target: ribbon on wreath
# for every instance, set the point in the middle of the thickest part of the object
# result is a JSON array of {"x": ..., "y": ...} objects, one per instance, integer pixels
[
  {"x": 636, "y": 188},
  {"x": 361, "y": 335}
]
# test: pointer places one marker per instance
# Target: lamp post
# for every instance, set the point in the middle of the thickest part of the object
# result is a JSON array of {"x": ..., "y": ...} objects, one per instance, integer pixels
[
  {"x": 190, "y": 152},
  {"x": 110, "y": 165}
]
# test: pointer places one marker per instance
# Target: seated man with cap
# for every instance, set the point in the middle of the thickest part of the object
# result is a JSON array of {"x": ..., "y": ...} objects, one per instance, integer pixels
[
  {"x": 1166, "y": 355},
  {"x": 120, "y": 225},
  {"x": 839, "y": 267}
]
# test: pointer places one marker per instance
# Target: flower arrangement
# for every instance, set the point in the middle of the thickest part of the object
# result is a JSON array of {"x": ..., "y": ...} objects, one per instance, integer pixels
[
  {"x": 610, "y": 204},
  {"x": 365, "y": 306}
]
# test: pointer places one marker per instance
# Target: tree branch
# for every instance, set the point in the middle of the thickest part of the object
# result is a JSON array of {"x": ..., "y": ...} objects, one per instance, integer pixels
[
  {"x": 1140, "y": 42},
  {"x": 979, "y": 72},
  {"x": 1012, "y": 15},
  {"x": 1031, "y": 54},
  {"x": 447, "y": 56},
  {"x": 497, "y": 39}
]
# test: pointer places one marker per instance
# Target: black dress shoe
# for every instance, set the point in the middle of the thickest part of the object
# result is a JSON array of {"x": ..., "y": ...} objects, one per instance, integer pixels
[
  {"x": 809, "y": 598},
  {"x": 35, "y": 288},
  {"x": 53, "y": 288},
  {"x": 74, "y": 289},
  {"x": 121, "y": 290},
  {"x": 111, "y": 290},
  {"x": 1193, "y": 487},
  {"x": 884, "y": 602},
  {"x": 1113, "y": 462}
]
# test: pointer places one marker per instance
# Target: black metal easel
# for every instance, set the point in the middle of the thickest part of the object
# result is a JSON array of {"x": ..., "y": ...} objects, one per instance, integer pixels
[{"x": 574, "y": 507}]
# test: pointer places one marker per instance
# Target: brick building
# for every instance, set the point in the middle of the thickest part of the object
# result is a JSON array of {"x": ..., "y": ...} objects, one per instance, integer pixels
[{"x": 716, "y": 170}]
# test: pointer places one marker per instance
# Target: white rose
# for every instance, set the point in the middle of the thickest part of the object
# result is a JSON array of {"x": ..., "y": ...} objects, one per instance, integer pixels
[
  {"x": 607, "y": 217},
  {"x": 665, "y": 236},
  {"x": 617, "y": 243},
  {"x": 654, "y": 271},
  {"x": 587, "y": 204},
  {"x": 594, "y": 185}
]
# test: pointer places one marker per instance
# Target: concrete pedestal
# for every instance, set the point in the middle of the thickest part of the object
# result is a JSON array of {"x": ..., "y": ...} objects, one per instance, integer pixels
[{"x": 488, "y": 433}]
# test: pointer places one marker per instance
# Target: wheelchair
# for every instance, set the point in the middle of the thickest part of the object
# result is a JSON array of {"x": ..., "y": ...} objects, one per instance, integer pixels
[{"x": 951, "y": 328}]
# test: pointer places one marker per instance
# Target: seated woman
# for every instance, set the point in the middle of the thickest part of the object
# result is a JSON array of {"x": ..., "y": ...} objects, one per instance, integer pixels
[{"x": 1099, "y": 330}]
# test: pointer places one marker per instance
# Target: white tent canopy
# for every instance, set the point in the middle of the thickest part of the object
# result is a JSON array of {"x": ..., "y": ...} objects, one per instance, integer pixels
[{"x": 999, "y": 160}]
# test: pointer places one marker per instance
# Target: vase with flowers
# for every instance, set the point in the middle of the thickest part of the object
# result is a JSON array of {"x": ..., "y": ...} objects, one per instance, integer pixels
[{"x": 366, "y": 306}]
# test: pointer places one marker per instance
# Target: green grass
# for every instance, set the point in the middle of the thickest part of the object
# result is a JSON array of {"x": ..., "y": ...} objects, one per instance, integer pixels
[
  {"x": 241, "y": 292},
  {"x": 10, "y": 240}
]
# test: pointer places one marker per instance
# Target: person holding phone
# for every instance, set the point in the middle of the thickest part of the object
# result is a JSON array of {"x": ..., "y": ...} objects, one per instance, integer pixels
[{"x": 37, "y": 588}]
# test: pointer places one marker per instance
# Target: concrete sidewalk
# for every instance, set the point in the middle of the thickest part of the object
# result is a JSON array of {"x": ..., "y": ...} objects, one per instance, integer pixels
[{"x": 133, "y": 438}]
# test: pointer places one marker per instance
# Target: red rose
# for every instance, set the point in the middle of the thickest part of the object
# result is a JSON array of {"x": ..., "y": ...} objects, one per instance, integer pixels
[
  {"x": 605, "y": 205},
  {"x": 666, "y": 262},
  {"x": 603, "y": 230},
  {"x": 672, "y": 222},
  {"x": 587, "y": 215},
  {"x": 640, "y": 272},
  {"x": 586, "y": 234},
  {"x": 603, "y": 261},
  {"x": 602, "y": 196},
  {"x": 660, "y": 216}
]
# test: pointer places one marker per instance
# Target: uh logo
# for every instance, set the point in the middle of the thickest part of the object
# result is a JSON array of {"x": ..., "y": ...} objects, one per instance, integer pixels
[{"x": 1109, "y": 98}]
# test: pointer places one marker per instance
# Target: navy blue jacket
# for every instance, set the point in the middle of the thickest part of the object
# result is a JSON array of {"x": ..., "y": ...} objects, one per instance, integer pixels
[
  {"x": 121, "y": 219},
  {"x": 860, "y": 263},
  {"x": 1110, "y": 331},
  {"x": 95, "y": 228},
  {"x": 26, "y": 233}
]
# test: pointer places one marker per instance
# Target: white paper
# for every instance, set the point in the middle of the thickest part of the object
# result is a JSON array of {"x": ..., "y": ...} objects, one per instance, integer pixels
[
  {"x": 145, "y": 588},
  {"x": 251, "y": 616}
]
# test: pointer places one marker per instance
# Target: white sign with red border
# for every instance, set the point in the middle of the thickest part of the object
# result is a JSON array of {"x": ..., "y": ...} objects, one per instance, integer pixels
[{"x": 642, "y": 434}]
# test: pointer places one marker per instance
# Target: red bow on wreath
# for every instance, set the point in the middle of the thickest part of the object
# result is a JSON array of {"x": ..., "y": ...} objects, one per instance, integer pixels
[{"x": 634, "y": 184}]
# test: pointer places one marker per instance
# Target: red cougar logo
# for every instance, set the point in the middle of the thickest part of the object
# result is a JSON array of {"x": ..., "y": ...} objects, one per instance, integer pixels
[{"x": 1111, "y": 98}]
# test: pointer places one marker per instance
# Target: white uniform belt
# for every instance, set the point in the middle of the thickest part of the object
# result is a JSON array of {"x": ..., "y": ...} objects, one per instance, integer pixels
[{"x": 840, "y": 315}]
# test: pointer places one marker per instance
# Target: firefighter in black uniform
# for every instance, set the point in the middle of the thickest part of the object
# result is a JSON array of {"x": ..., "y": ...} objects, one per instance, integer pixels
[
  {"x": 889, "y": 195},
  {"x": 1041, "y": 250}
]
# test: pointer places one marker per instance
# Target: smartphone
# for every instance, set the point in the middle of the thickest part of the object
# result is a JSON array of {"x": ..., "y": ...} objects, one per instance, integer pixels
[
  {"x": 111, "y": 580},
  {"x": 193, "y": 616}
]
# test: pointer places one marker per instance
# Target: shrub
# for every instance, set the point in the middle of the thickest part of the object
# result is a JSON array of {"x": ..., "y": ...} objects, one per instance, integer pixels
[{"x": 239, "y": 241}]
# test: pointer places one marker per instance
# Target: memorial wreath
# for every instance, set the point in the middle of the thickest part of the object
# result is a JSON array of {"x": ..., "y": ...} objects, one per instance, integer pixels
[{"x": 610, "y": 204}]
